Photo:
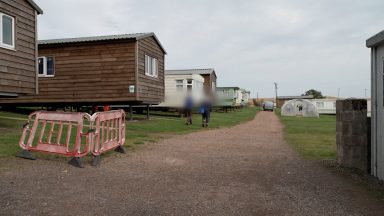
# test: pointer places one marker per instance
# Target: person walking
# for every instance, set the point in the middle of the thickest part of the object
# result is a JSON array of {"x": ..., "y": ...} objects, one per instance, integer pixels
[
  {"x": 205, "y": 111},
  {"x": 188, "y": 109}
]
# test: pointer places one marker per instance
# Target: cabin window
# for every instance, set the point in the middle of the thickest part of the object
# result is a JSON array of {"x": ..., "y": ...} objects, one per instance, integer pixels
[
  {"x": 320, "y": 104},
  {"x": 7, "y": 31},
  {"x": 334, "y": 104},
  {"x": 179, "y": 85},
  {"x": 46, "y": 66},
  {"x": 151, "y": 66}
]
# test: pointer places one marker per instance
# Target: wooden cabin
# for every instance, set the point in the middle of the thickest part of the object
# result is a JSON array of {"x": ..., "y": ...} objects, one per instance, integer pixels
[
  {"x": 123, "y": 69},
  {"x": 178, "y": 86},
  {"x": 209, "y": 75},
  {"x": 18, "y": 47}
]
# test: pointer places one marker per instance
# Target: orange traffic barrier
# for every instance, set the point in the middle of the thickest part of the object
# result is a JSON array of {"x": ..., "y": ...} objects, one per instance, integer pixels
[{"x": 64, "y": 133}]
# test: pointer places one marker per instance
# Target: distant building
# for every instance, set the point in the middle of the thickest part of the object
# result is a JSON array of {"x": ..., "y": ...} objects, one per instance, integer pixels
[
  {"x": 209, "y": 75},
  {"x": 282, "y": 99}
]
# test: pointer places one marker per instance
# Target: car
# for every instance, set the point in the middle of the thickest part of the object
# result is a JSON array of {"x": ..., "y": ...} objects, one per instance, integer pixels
[{"x": 268, "y": 106}]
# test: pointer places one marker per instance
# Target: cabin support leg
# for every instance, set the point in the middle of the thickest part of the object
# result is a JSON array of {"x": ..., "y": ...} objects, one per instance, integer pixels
[
  {"x": 148, "y": 112},
  {"x": 130, "y": 113}
]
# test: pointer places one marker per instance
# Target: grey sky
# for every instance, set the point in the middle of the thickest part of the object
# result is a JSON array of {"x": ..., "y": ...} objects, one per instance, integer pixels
[{"x": 300, "y": 44}]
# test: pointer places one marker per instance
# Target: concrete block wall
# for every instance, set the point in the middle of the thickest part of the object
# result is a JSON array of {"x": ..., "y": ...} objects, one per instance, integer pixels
[{"x": 352, "y": 134}]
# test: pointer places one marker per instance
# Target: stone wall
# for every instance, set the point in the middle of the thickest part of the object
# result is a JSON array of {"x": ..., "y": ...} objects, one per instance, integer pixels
[{"x": 352, "y": 134}]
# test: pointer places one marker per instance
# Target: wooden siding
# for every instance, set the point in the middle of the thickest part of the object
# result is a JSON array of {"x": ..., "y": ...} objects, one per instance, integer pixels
[
  {"x": 150, "y": 89},
  {"x": 87, "y": 73},
  {"x": 18, "y": 67}
]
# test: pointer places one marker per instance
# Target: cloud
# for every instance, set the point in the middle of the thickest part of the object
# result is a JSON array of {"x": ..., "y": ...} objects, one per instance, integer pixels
[{"x": 300, "y": 44}]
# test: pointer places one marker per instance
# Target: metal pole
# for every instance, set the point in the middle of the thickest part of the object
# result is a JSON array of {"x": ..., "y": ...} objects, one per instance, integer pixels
[
  {"x": 147, "y": 111},
  {"x": 276, "y": 93},
  {"x": 338, "y": 93}
]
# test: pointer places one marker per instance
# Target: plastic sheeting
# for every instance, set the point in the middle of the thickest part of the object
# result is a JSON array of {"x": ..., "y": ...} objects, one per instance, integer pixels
[{"x": 299, "y": 107}]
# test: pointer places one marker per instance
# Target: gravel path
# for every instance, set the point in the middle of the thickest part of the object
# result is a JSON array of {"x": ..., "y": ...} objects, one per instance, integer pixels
[{"x": 244, "y": 170}]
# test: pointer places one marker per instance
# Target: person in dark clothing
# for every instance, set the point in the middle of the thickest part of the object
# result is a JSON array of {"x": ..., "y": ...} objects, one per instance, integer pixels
[
  {"x": 205, "y": 111},
  {"x": 188, "y": 109}
]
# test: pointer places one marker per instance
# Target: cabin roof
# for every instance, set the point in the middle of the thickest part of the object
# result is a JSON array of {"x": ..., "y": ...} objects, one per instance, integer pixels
[
  {"x": 35, "y": 6},
  {"x": 190, "y": 71},
  {"x": 135, "y": 36}
]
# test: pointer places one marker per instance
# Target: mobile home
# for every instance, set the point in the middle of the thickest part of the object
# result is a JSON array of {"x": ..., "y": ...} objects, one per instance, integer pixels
[
  {"x": 18, "y": 48},
  {"x": 325, "y": 106},
  {"x": 178, "y": 86},
  {"x": 123, "y": 69},
  {"x": 245, "y": 97},
  {"x": 226, "y": 96},
  {"x": 209, "y": 75}
]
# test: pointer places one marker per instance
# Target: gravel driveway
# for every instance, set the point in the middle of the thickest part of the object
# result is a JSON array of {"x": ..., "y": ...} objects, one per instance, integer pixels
[{"x": 244, "y": 170}]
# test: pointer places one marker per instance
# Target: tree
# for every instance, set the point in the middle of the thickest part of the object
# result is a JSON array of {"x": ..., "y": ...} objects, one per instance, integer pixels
[{"x": 316, "y": 94}]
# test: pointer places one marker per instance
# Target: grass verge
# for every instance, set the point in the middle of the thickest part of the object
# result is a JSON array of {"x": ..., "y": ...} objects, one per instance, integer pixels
[{"x": 313, "y": 138}]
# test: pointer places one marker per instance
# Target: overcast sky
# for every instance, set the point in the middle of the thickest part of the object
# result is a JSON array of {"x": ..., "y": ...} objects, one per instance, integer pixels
[{"x": 300, "y": 44}]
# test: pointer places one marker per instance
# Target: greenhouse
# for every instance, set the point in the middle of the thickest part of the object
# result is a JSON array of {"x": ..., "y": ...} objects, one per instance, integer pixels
[{"x": 299, "y": 107}]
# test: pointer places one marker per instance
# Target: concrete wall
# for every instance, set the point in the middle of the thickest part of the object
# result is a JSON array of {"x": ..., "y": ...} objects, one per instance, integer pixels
[{"x": 352, "y": 134}]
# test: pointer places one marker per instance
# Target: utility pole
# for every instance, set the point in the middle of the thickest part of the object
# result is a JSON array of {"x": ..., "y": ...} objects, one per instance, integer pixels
[
  {"x": 276, "y": 93},
  {"x": 338, "y": 93},
  {"x": 365, "y": 92}
]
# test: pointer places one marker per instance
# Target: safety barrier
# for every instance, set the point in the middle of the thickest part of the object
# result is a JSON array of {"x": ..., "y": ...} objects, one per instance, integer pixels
[
  {"x": 63, "y": 133},
  {"x": 109, "y": 133}
]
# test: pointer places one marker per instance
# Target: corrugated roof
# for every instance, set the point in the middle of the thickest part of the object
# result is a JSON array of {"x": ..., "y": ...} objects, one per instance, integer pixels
[
  {"x": 190, "y": 71},
  {"x": 135, "y": 36},
  {"x": 35, "y": 6}
]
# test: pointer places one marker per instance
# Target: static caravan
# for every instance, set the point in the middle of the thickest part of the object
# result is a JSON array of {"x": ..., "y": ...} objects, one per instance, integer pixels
[
  {"x": 209, "y": 75},
  {"x": 376, "y": 43},
  {"x": 245, "y": 97},
  {"x": 226, "y": 96},
  {"x": 18, "y": 48},
  {"x": 325, "y": 106},
  {"x": 239, "y": 97},
  {"x": 123, "y": 69},
  {"x": 178, "y": 86}
]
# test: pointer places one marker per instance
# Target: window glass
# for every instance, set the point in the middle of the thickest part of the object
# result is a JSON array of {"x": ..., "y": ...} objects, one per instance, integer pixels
[
  {"x": 50, "y": 66},
  {"x": 151, "y": 66},
  {"x": 179, "y": 85},
  {"x": 7, "y": 23},
  {"x": 41, "y": 66},
  {"x": 320, "y": 104}
]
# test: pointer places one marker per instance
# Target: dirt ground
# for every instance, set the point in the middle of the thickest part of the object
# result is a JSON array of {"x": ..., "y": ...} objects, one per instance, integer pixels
[{"x": 244, "y": 170}]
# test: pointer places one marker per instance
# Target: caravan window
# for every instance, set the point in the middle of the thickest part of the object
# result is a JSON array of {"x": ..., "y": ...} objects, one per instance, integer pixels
[
  {"x": 189, "y": 85},
  {"x": 320, "y": 104},
  {"x": 7, "y": 31},
  {"x": 179, "y": 85}
]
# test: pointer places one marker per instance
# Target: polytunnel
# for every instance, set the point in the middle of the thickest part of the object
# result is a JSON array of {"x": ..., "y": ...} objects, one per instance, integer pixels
[{"x": 299, "y": 107}]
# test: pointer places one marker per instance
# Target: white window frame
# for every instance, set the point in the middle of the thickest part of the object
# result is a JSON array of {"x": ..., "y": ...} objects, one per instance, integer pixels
[
  {"x": 151, "y": 66},
  {"x": 3, "y": 45},
  {"x": 45, "y": 69}
]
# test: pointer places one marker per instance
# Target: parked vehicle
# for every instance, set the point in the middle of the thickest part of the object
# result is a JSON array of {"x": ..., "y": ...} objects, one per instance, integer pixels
[{"x": 268, "y": 106}]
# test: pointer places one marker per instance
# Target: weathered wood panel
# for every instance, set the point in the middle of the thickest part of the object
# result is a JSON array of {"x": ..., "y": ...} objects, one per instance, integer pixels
[
  {"x": 18, "y": 67},
  {"x": 151, "y": 90}
]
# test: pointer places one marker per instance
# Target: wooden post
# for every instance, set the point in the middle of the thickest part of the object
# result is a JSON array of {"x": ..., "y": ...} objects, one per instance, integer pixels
[
  {"x": 130, "y": 113},
  {"x": 148, "y": 112}
]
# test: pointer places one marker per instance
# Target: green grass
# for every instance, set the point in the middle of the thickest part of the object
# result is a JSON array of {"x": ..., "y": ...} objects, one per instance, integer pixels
[
  {"x": 313, "y": 138},
  {"x": 137, "y": 133}
]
